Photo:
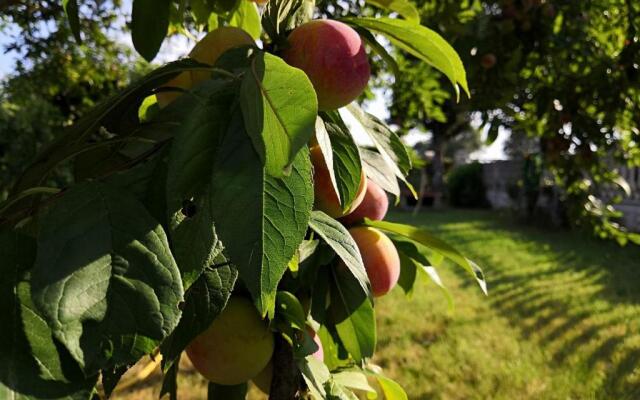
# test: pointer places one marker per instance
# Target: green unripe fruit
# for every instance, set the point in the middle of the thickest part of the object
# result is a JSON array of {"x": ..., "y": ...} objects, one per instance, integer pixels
[{"x": 235, "y": 348}]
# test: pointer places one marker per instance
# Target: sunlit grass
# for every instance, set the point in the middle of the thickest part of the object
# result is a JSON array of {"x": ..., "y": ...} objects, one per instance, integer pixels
[{"x": 562, "y": 319}]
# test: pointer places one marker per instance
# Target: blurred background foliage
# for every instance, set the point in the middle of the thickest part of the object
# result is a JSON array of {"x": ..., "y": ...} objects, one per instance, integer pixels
[
  {"x": 561, "y": 76},
  {"x": 56, "y": 80}
]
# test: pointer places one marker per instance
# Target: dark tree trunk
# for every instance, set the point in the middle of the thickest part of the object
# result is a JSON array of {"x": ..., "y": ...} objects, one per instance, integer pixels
[
  {"x": 437, "y": 180},
  {"x": 286, "y": 375}
]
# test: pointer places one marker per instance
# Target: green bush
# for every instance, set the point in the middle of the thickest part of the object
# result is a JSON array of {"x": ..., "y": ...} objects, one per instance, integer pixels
[{"x": 466, "y": 186}]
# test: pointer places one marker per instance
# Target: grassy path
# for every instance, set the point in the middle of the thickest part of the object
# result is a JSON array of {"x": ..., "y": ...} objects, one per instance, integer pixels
[{"x": 562, "y": 320}]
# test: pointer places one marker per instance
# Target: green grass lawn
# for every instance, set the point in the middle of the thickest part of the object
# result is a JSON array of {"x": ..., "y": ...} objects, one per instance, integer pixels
[{"x": 562, "y": 319}]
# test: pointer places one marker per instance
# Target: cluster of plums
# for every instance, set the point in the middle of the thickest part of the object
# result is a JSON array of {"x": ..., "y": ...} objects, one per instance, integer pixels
[{"x": 238, "y": 345}]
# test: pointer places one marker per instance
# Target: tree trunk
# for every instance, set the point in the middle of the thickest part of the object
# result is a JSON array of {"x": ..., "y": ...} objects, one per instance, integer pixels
[
  {"x": 422, "y": 190},
  {"x": 286, "y": 375},
  {"x": 437, "y": 180}
]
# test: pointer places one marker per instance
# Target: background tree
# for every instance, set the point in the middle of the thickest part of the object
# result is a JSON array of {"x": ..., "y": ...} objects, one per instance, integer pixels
[
  {"x": 563, "y": 72},
  {"x": 55, "y": 79}
]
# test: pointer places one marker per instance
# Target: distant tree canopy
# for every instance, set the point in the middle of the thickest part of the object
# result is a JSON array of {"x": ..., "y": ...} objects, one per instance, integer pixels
[
  {"x": 565, "y": 72},
  {"x": 55, "y": 80}
]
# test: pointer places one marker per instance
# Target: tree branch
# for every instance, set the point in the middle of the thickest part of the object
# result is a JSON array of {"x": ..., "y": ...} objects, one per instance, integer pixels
[{"x": 286, "y": 375}]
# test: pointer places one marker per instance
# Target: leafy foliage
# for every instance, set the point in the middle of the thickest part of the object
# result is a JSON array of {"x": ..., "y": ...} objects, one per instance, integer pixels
[
  {"x": 466, "y": 186},
  {"x": 172, "y": 210},
  {"x": 563, "y": 74}
]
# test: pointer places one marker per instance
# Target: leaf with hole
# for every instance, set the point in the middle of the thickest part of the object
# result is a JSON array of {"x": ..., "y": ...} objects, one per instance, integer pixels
[
  {"x": 260, "y": 219},
  {"x": 189, "y": 174}
]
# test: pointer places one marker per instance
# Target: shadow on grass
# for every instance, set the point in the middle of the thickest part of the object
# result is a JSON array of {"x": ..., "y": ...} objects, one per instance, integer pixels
[{"x": 574, "y": 295}]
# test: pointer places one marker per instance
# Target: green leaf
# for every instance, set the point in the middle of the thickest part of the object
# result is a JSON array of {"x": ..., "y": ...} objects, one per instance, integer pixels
[
  {"x": 71, "y": 9},
  {"x": 320, "y": 293},
  {"x": 282, "y": 16},
  {"x": 386, "y": 141},
  {"x": 201, "y": 10},
  {"x": 289, "y": 309},
  {"x": 188, "y": 188},
  {"x": 223, "y": 6},
  {"x": 408, "y": 272},
  {"x": 315, "y": 374},
  {"x": 391, "y": 389},
  {"x": 330, "y": 348},
  {"x": 376, "y": 169},
  {"x": 353, "y": 315},
  {"x": 246, "y": 16},
  {"x": 353, "y": 379},
  {"x": 337, "y": 391},
  {"x": 204, "y": 301},
  {"x": 378, "y": 48},
  {"x": 339, "y": 239},
  {"x": 324, "y": 142},
  {"x": 492, "y": 133},
  {"x": 149, "y": 26},
  {"x": 388, "y": 144},
  {"x": 77, "y": 137},
  {"x": 346, "y": 162},
  {"x": 213, "y": 22},
  {"x": 31, "y": 366},
  {"x": 260, "y": 219},
  {"x": 414, "y": 261},
  {"x": 434, "y": 244},
  {"x": 420, "y": 42},
  {"x": 148, "y": 109},
  {"x": 279, "y": 108},
  {"x": 104, "y": 278},
  {"x": 306, "y": 249},
  {"x": 402, "y": 7},
  {"x": 433, "y": 275},
  {"x": 224, "y": 392}
]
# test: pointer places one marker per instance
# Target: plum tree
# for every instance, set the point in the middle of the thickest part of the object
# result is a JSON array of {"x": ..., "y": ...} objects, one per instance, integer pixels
[
  {"x": 263, "y": 379},
  {"x": 333, "y": 56},
  {"x": 202, "y": 215},
  {"x": 236, "y": 347},
  {"x": 374, "y": 205},
  {"x": 207, "y": 51},
  {"x": 380, "y": 258},
  {"x": 326, "y": 198}
]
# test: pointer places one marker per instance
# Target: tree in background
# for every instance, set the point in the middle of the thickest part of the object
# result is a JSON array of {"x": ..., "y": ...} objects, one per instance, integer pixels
[
  {"x": 56, "y": 80},
  {"x": 563, "y": 72}
]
